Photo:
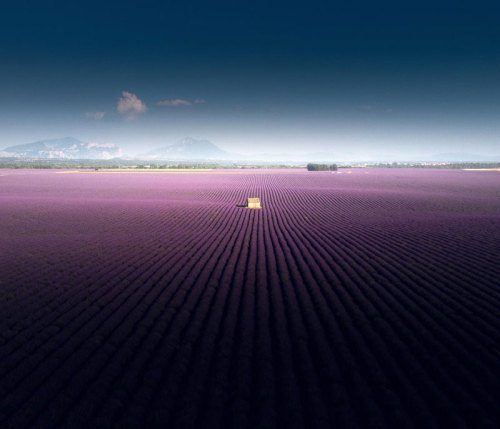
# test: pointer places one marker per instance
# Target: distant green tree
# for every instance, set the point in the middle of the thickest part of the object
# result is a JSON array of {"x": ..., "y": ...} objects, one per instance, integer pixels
[{"x": 321, "y": 167}]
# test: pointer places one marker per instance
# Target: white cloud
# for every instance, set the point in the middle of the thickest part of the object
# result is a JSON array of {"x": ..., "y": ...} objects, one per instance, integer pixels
[
  {"x": 105, "y": 145},
  {"x": 4, "y": 154},
  {"x": 174, "y": 103},
  {"x": 130, "y": 105},
  {"x": 199, "y": 101},
  {"x": 95, "y": 115}
]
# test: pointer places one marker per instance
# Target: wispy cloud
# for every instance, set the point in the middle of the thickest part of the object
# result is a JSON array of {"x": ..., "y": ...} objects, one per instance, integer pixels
[
  {"x": 95, "y": 115},
  {"x": 174, "y": 103},
  {"x": 102, "y": 145},
  {"x": 130, "y": 106},
  {"x": 199, "y": 101}
]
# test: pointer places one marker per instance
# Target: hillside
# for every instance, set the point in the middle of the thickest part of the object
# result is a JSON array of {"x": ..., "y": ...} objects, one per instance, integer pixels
[
  {"x": 189, "y": 149},
  {"x": 63, "y": 148}
]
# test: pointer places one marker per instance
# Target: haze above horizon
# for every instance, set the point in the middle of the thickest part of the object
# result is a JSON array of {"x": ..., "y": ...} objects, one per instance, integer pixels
[{"x": 363, "y": 78}]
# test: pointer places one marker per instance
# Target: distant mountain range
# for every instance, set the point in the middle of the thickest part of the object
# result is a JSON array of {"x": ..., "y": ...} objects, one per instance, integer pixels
[
  {"x": 192, "y": 149},
  {"x": 64, "y": 148},
  {"x": 189, "y": 149}
]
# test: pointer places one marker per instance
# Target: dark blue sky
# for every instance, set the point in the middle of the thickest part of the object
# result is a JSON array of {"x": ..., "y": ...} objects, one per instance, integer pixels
[{"x": 355, "y": 78}]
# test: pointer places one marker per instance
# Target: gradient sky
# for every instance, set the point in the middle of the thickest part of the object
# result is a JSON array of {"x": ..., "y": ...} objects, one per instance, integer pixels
[{"x": 361, "y": 78}]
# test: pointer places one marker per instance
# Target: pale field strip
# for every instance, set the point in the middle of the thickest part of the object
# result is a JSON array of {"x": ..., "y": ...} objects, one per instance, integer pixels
[
  {"x": 481, "y": 169},
  {"x": 187, "y": 171}
]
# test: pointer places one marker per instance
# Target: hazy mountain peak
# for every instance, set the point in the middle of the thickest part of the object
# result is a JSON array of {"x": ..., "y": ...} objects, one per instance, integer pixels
[
  {"x": 189, "y": 140},
  {"x": 189, "y": 148}
]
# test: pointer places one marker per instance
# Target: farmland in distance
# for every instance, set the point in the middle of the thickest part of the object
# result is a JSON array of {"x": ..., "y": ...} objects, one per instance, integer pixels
[{"x": 362, "y": 299}]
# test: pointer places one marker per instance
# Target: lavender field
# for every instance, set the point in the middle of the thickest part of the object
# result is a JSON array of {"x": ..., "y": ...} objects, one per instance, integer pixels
[{"x": 361, "y": 299}]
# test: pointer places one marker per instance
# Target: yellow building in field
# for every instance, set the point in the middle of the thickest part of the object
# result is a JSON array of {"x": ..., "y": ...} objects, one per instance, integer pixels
[{"x": 253, "y": 203}]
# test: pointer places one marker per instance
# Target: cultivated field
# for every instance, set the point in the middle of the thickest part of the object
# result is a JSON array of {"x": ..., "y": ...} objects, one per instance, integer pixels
[{"x": 369, "y": 299}]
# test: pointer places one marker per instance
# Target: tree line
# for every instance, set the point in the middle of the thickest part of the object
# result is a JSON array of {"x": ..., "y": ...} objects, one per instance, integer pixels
[{"x": 321, "y": 167}]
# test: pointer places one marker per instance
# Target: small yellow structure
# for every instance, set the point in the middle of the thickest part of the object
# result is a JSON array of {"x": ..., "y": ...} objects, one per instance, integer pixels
[{"x": 253, "y": 203}]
